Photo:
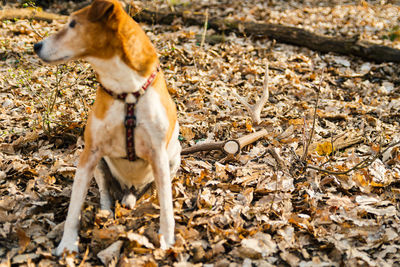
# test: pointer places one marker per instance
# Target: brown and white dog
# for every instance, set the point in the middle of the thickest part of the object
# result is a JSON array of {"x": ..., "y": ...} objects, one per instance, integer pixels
[{"x": 124, "y": 59}]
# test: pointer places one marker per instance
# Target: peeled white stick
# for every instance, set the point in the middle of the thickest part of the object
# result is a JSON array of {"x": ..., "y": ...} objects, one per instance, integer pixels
[{"x": 234, "y": 146}]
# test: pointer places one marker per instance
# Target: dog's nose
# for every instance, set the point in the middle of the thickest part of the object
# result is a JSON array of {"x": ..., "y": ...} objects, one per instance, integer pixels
[{"x": 37, "y": 47}]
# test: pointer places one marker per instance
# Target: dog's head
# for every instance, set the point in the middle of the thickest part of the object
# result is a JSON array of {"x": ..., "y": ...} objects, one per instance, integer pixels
[{"x": 90, "y": 32}]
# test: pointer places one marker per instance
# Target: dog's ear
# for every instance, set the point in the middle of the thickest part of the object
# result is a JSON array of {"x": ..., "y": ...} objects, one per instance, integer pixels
[{"x": 100, "y": 9}]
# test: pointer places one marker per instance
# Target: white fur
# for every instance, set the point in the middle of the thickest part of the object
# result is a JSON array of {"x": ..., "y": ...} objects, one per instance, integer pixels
[
  {"x": 80, "y": 186},
  {"x": 115, "y": 75},
  {"x": 105, "y": 198}
]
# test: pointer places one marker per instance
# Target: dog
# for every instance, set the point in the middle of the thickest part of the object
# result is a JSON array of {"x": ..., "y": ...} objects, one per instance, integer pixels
[{"x": 132, "y": 111}]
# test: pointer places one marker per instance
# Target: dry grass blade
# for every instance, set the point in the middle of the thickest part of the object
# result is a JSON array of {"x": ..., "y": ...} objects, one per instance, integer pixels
[{"x": 203, "y": 36}]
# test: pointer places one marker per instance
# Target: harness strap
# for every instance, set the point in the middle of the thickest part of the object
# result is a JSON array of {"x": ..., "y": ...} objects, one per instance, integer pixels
[{"x": 130, "y": 118}]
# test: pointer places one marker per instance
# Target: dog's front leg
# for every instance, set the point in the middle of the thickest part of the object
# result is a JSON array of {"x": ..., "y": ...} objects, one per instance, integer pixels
[
  {"x": 160, "y": 165},
  {"x": 84, "y": 174}
]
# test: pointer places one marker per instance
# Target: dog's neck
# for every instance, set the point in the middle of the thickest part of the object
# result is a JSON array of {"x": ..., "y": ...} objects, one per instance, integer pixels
[{"x": 115, "y": 75}]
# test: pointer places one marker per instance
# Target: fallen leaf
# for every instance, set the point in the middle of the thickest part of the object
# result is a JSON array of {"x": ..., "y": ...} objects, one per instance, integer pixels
[{"x": 111, "y": 253}]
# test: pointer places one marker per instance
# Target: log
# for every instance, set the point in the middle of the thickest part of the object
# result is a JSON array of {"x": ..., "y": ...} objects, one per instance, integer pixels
[
  {"x": 281, "y": 33},
  {"x": 28, "y": 13},
  {"x": 230, "y": 147}
]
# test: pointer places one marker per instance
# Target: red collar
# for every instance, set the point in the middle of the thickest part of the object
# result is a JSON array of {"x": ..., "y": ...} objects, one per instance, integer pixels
[
  {"x": 138, "y": 93},
  {"x": 130, "y": 118}
]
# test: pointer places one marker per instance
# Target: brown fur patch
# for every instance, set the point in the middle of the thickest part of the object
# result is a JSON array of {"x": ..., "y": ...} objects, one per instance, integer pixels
[
  {"x": 87, "y": 151},
  {"x": 96, "y": 39},
  {"x": 118, "y": 36},
  {"x": 161, "y": 88},
  {"x": 102, "y": 103},
  {"x": 100, "y": 9}
]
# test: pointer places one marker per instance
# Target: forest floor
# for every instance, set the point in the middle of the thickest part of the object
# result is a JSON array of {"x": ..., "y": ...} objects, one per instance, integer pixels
[{"x": 267, "y": 206}]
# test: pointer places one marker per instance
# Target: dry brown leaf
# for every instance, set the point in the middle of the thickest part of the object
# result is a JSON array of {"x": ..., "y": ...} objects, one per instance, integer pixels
[{"x": 24, "y": 240}]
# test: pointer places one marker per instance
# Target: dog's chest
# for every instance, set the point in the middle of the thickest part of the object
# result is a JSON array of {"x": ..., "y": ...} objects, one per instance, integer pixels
[
  {"x": 109, "y": 136},
  {"x": 108, "y": 133}
]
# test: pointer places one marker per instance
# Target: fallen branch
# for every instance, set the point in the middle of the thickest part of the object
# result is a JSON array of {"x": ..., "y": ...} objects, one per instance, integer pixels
[
  {"x": 339, "y": 143},
  {"x": 281, "y": 33},
  {"x": 361, "y": 165},
  {"x": 255, "y": 110},
  {"x": 27, "y": 13},
  {"x": 230, "y": 147}
]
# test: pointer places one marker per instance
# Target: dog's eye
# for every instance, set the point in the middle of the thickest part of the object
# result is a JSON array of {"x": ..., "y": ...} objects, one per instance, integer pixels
[{"x": 72, "y": 24}]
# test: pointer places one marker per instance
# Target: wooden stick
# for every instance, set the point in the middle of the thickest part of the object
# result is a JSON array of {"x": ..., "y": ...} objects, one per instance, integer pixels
[
  {"x": 202, "y": 147},
  {"x": 230, "y": 147}
]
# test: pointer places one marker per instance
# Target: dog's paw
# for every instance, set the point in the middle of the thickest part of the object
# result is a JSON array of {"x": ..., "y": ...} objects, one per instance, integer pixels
[
  {"x": 105, "y": 205},
  {"x": 166, "y": 243},
  {"x": 69, "y": 247},
  {"x": 129, "y": 200},
  {"x": 105, "y": 213}
]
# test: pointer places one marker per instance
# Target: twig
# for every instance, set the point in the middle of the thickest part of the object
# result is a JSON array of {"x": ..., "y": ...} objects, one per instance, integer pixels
[
  {"x": 277, "y": 158},
  {"x": 304, "y": 137},
  {"x": 343, "y": 141},
  {"x": 332, "y": 153},
  {"x": 255, "y": 110},
  {"x": 84, "y": 257},
  {"x": 361, "y": 165},
  {"x": 314, "y": 119},
  {"x": 53, "y": 98},
  {"x": 203, "y": 147},
  {"x": 34, "y": 30},
  {"x": 279, "y": 165}
]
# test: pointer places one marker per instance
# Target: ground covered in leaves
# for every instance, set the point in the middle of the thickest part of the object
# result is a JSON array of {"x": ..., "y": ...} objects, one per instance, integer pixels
[{"x": 272, "y": 204}]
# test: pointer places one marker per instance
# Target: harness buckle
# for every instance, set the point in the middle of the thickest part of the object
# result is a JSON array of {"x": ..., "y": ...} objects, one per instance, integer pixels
[{"x": 130, "y": 121}]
